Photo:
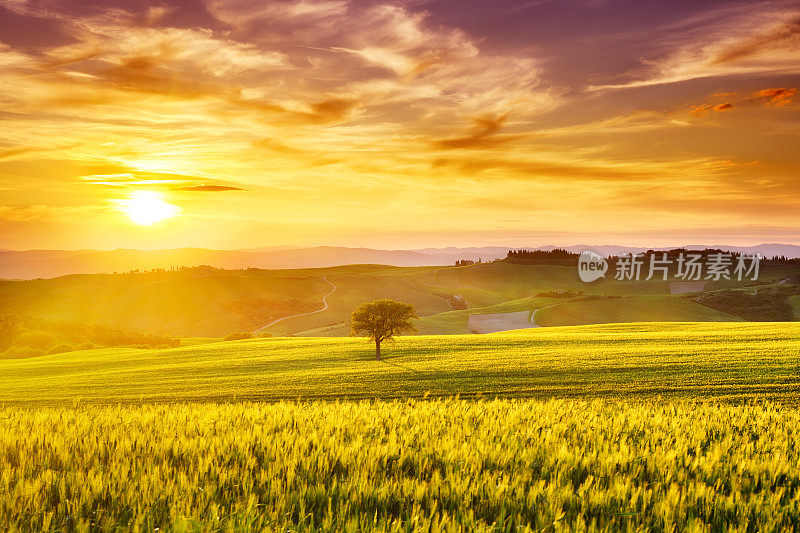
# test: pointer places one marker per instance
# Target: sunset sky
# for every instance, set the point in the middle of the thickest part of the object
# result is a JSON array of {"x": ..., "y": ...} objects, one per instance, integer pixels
[{"x": 238, "y": 124}]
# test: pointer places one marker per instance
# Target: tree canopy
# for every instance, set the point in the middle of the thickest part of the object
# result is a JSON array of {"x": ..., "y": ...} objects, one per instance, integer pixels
[{"x": 381, "y": 320}]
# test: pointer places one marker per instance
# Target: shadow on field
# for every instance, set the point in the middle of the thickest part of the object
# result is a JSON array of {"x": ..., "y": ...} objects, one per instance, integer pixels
[
  {"x": 446, "y": 387},
  {"x": 384, "y": 361}
]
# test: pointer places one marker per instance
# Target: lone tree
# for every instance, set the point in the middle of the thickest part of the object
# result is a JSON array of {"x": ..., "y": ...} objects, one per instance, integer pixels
[{"x": 382, "y": 320}]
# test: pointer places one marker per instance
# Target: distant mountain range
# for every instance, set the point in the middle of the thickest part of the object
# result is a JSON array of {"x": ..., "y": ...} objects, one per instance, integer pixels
[{"x": 29, "y": 264}]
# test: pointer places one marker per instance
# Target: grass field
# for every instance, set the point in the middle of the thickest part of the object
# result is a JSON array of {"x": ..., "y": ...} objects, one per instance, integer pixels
[
  {"x": 449, "y": 322},
  {"x": 794, "y": 301},
  {"x": 629, "y": 309},
  {"x": 445, "y": 465},
  {"x": 215, "y": 303},
  {"x": 678, "y": 360}
]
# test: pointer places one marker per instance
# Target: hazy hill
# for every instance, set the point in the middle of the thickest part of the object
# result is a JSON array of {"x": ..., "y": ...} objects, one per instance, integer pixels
[{"x": 31, "y": 264}]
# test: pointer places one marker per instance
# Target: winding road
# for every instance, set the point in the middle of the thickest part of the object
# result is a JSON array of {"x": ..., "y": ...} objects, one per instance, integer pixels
[
  {"x": 532, "y": 318},
  {"x": 324, "y": 307}
]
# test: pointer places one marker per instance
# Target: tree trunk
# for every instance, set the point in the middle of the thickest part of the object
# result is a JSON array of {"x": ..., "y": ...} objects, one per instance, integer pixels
[{"x": 377, "y": 349}]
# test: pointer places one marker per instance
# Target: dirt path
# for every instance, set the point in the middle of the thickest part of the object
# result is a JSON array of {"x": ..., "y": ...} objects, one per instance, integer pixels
[
  {"x": 533, "y": 314},
  {"x": 324, "y": 307}
]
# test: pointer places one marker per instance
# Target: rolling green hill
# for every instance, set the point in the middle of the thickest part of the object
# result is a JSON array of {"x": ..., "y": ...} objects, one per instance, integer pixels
[
  {"x": 184, "y": 304},
  {"x": 794, "y": 301},
  {"x": 207, "y": 302},
  {"x": 629, "y": 309},
  {"x": 695, "y": 360}
]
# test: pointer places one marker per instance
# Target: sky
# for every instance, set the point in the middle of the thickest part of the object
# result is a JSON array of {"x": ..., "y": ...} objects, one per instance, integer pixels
[{"x": 242, "y": 123}]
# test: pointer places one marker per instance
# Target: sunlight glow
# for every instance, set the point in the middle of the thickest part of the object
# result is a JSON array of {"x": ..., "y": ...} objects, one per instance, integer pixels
[{"x": 147, "y": 207}]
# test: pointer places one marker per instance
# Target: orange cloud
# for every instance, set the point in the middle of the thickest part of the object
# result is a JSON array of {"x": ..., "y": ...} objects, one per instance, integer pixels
[
  {"x": 776, "y": 96},
  {"x": 703, "y": 110},
  {"x": 781, "y": 96}
]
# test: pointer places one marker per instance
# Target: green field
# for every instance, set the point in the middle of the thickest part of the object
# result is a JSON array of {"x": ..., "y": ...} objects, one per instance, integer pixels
[
  {"x": 731, "y": 361},
  {"x": 629, "y": 309},
  {"x": 215, "y": 303},
  {"x": 794, "y": 301}
]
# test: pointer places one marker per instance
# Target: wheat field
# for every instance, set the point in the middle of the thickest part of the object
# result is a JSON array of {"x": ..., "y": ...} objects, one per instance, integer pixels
[{"x": 414, "y": 465}]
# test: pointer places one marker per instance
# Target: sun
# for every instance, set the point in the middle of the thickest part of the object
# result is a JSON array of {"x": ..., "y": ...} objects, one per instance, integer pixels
[{"x": 147, "y": 207}]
